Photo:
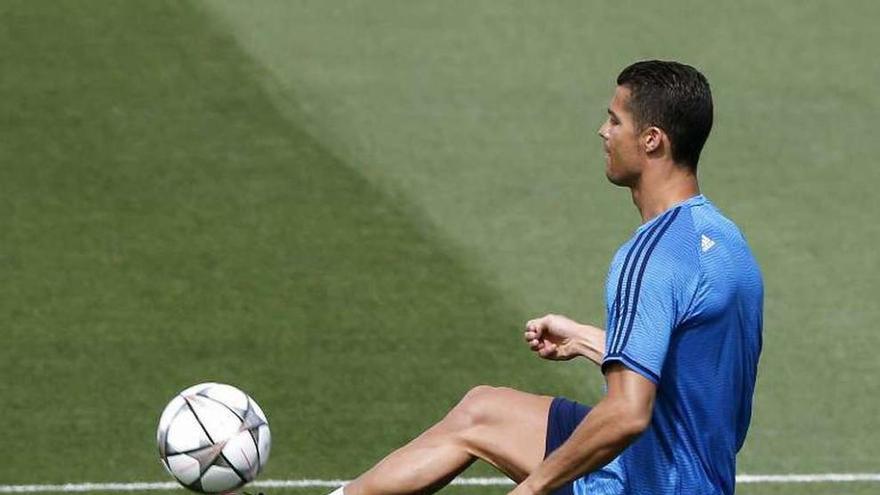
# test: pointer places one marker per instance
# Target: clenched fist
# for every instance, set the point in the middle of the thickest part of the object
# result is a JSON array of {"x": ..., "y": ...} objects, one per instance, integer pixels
[{"x": 560, "y": 338}]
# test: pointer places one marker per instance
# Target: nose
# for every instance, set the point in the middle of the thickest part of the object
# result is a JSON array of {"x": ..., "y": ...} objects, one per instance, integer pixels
[{"x": 603, "y": 131}]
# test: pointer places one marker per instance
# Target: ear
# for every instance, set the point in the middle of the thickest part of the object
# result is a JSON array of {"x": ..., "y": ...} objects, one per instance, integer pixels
[{"x": 652, "y": 138}]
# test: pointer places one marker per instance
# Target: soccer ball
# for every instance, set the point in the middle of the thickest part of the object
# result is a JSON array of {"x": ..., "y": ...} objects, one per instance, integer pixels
[{"x": 213, "y": 438}]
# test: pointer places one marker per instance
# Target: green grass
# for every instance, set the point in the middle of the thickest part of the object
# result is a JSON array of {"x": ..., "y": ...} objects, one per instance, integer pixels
[
  {"x": 348, "y": 209},
  {"x": 167, "y": 226}
]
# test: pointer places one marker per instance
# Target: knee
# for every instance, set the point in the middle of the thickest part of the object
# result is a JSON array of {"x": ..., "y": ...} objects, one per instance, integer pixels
[{"x": 476, "y": 407}]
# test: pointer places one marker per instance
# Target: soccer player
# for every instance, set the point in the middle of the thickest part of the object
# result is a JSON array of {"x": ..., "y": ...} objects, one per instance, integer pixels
[{"x": 680, "y": 350}]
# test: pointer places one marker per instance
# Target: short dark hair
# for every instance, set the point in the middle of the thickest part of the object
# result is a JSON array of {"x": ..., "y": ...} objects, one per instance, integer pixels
[{"x": 674, "y": 97}]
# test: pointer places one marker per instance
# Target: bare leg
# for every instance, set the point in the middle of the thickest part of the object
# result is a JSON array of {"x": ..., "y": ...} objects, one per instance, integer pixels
[{"x": 502, "y": 426}]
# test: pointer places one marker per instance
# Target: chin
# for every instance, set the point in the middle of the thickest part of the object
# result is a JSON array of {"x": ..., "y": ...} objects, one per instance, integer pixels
[
  {"x": 614, "y": 180},
  {"x": 619, "y": 180}
]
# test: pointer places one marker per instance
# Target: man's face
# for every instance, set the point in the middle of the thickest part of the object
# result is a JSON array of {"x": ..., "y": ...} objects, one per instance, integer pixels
[{"x": 620, "y": 136}]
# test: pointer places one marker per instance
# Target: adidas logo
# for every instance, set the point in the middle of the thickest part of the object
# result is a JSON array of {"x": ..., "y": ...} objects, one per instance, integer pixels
[{"x": 706, "y": 243}]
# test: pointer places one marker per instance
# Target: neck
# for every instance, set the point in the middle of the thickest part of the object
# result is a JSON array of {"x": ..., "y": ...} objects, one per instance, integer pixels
[{"x": 654, "y": 195}]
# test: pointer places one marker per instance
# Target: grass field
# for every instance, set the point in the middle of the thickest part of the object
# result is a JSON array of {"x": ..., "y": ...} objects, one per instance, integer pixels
[{"x": 348, "y": 209}]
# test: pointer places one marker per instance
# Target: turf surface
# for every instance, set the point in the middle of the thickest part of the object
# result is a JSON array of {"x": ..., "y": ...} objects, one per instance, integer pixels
[{"x": 348, "y": 209}]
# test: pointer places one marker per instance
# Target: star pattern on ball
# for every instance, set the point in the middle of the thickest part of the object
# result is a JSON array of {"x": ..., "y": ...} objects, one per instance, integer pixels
[{"x": 220, "y": 438}]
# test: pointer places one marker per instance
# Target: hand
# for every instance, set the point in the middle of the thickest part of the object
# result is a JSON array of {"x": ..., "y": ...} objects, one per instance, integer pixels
[{"x": 553, "y": 337}]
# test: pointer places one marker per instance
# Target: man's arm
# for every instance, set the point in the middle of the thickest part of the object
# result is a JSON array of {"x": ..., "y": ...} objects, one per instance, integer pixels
[
  {"x": 560, "y": 338},
  {"x": 591, "y": 343},
  {"x": 614, "y": 423}
]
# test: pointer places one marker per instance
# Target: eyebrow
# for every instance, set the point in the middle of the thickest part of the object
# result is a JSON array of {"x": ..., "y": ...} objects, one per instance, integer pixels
[{"x": 611, "y": 113}]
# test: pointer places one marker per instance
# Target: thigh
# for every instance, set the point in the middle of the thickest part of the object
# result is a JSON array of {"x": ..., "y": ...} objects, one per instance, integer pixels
[{"x": 508, "y": 428}]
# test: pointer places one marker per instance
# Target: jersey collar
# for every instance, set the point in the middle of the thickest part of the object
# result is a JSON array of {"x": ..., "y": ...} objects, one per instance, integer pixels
[{"x": 692, "y": 201}]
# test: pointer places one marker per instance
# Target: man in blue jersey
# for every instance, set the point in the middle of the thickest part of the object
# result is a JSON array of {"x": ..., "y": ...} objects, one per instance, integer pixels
[{"x": 679, "y": 353}]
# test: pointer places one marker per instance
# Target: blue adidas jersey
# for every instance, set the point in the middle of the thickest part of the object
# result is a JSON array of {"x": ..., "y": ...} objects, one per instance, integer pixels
[{"x": 684, "y": 301}]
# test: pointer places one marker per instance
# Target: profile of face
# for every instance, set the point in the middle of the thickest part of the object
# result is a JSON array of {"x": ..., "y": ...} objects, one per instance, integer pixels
[{"x": 624, "y": 153}]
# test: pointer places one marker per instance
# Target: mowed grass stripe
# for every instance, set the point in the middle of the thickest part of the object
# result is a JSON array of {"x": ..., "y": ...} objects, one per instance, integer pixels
[{"x": 164, "y": 225}]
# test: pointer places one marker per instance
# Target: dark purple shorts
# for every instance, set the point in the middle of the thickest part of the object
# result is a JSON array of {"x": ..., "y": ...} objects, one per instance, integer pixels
[{"x": 563, "y": 418}]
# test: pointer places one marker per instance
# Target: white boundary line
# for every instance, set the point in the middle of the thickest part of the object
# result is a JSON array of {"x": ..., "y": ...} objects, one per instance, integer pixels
[{"x": 307, "y": 483}]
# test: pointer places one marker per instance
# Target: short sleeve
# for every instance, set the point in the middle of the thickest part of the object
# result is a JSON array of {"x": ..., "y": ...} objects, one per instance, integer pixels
[{"x": 655, "y": 292}]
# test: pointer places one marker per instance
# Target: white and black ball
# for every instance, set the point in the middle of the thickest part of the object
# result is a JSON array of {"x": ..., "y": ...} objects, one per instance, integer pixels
[{"x": 213, "y": 438}]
